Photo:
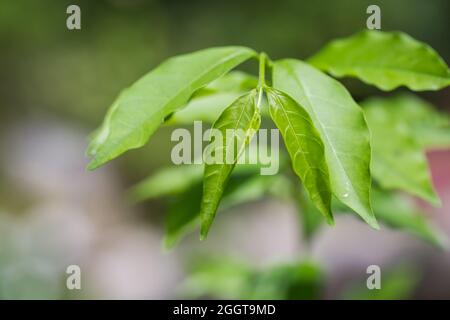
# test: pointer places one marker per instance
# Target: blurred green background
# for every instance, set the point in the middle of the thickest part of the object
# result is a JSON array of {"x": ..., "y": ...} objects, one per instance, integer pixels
[{"x": 55, "y": 87}]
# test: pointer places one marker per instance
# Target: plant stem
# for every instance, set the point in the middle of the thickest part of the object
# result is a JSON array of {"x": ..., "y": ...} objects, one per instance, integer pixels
[
  {"x": 262, "y": 69},
  {"x": 262, "y": 77}
]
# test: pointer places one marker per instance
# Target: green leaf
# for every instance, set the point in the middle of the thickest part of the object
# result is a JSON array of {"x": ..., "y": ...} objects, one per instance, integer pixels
[
  {"x": 385, "y": 59},
  {"x": 208, "y": 103},
  {"x": 140, "y": 109},
  {"x": 341, "y": 125},
  {"x": 399, "y": 212},
  {"x": 305, "y": 148},
  {"x": 398, "y": 161},
  {"x": 243, "y": 119}
]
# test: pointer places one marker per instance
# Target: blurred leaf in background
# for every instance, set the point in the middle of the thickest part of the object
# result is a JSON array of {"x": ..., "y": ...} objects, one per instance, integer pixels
[
  {"x": 399, "y": 160},
  {"x": 227, "y": 279},
  {"x": 397, "y": 283},
  {"x": 208, "y": 103},
  {"x": 400, "y": 212}
]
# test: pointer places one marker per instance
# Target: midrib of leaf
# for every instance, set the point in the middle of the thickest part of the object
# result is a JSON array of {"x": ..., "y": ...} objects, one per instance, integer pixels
[
  {"x": 169, "y": 100},
  {"x": 296, "y": 137},
  {"x": 338, "y": 160},
  {"x": 240, "y": 150}
]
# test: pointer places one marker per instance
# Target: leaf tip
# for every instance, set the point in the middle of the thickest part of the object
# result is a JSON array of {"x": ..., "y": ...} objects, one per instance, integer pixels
[
  {"x": 330, "y": 220},
  {"x": 168, "y": 243},
  {"x": 434, "y": 199},
  {"x": 372, "y": 221},
  {"x": 94, "y": 164},
  {"x": 204, "y": 229}
]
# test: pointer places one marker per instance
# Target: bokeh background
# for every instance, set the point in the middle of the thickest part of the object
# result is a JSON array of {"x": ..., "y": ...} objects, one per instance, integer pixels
[{"x": 55, "y": 86}]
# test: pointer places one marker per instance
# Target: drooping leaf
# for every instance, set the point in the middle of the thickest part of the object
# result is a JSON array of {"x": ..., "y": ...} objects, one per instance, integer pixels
[
  {"x": 237, "y": 124},
  {"x": 209, "y": 102},
  {"x": 398, "y": 161},
  {"x": 341, "y": 125},
  {"x": 140, "y": 109},
  {"x": 305, "y": 148},
  {"x": 385, "y": 59},
  {"x": 399, "y": 212}
]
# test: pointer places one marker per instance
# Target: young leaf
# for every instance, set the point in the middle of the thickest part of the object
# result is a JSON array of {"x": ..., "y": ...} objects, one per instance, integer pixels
[
  {"x": 140, "y": 109},
  {"x": 386, "y": 60},
  {"x": 208, "y": 103},
  {"x": 305, "y": 148},
  {"x": 398, "y": 160},
  {"x": 241, "y": 119},
  {"x": 341, "y": 125}
]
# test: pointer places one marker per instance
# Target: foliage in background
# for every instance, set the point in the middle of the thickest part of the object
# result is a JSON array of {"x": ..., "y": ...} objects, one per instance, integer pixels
[
  {"x": 222, "y": 278},
  {"x": 229, "y": 279}
]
